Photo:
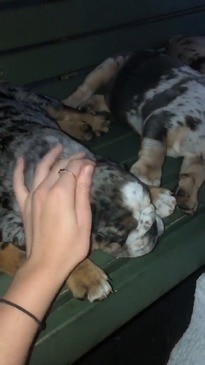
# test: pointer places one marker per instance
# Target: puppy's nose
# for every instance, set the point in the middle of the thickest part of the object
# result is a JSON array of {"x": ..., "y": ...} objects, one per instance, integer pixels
[{"x": 180, "y": 193}]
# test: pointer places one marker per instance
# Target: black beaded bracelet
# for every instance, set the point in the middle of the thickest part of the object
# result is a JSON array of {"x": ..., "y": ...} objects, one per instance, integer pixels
[{"x": 40, "y": 324}]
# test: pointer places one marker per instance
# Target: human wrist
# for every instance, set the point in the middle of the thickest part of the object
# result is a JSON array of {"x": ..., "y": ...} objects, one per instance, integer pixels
[
  {"x": 48, "y": 273},
  {"x": 33, "y": 281}
]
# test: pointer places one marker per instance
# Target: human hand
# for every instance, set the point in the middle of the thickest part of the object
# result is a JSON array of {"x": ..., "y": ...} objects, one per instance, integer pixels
[{"x": 56, "y": 212}]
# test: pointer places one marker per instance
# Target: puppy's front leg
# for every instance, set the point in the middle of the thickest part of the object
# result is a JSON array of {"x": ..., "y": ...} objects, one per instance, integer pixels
[
  {"x": 101, "y": 75},
  {"x": 148, "y": 168},
  {"x": 88, "y": 281}
]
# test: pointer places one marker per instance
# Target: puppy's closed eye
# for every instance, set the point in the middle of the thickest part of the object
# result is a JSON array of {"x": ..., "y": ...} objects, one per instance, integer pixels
[
  {"x": 129, "y": 222},
  {"x": 100, "y": 237}
]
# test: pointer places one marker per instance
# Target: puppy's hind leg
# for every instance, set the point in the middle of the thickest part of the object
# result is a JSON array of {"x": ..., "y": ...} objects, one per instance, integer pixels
[
  {"x": 101, "y": 75},
  {"x": 192, "y": 175}
]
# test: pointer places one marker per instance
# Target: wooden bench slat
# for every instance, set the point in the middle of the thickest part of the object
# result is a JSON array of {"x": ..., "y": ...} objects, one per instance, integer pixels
[
  {"x": 50, "y": 61},
  {"x": 139, "y": 282},
  {"x": 51, "y": 21}
]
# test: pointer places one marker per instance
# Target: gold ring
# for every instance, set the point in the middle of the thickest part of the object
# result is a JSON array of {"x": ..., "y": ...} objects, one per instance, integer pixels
[{"x": 66, "y": 171}]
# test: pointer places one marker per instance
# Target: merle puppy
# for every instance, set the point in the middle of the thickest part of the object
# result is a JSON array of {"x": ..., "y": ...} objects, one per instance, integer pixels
[
  {"x": 163, "y": 100},
  {"x": 126, "y": 214}
]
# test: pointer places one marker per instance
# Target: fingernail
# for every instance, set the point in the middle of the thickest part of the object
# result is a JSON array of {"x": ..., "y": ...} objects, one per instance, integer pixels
[
  {"x": 88, "y": 170},
  {"x": 58, "y": 145}
]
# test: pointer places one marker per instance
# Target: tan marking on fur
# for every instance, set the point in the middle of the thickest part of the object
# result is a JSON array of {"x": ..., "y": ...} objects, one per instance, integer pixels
[
  {"x": 176, "y": 137},
  {"x": 148, "y": 168},
  {"x": 11, "y": 258},
  {"x": 88, "y": 281},
  {"x": 192, "y": 175},
  {"x": 155, "y": 192},
  {"x": 78, "y": 124}
]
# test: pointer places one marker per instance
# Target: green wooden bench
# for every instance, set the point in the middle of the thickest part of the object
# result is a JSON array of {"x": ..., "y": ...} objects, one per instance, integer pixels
[{"x": 51, "y": 45}]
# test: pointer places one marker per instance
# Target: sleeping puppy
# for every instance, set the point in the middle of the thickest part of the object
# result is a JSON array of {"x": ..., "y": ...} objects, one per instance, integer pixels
[
  {"x": 127, "y": 216},
  {"x": 163, "y": 100}
]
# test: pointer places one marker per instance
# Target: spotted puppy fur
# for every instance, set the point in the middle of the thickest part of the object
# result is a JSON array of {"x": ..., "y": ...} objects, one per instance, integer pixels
[
  {"x": 127, "y": 216},
  {"x": 163, "y": 100},
  {"x": 190, "y": 50}
]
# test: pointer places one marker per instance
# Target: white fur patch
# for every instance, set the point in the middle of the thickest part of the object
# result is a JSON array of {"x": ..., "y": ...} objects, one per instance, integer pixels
[
  {"x": 165, "y": 204},
  {"x": 138, "y": 201},
  {"x": 101, "y": 291},
  {"x": 135, "y": 197}
]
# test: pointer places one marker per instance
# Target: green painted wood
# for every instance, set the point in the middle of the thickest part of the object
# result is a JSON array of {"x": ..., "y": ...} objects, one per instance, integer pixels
[
  {"x": 61, "y": 88},
  {"x": 76, "y": 326},
  {"x": 51, "y": 21},
  {"x": 34, "y": 65}
]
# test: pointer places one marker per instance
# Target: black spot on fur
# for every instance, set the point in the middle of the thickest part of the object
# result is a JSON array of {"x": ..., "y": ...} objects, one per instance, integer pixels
[
  {"x": 152, "y": 231},
  {"x": 5, "y": 200},
  {"x": 156, "y": 126},
  {"x": 163, "y": 99},
  {"x": 141, "y": 73},
  {"x": 192, "y": 122},
  {"x": 198, "y": 63},
  {"x": 5, "y": 141}
]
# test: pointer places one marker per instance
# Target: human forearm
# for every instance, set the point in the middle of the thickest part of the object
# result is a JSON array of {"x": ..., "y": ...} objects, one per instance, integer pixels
[
  {"x": 34, "y": 288},
  {"x": 57, "y": 222}
]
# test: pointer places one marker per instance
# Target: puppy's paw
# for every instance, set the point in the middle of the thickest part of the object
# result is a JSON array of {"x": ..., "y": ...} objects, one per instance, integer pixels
[
  {"x": 148, "y": 174},
  {"x": 11, "y": 258},
  {"x": 99, "y": 125},
  {"x": 186, "y": 194},
  {"x": 88, "y": 281},
  {"x": 164, "y": 202},
  {"x": 72, "y": 122}
]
